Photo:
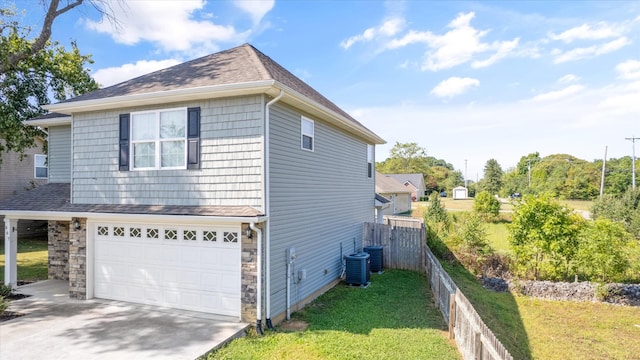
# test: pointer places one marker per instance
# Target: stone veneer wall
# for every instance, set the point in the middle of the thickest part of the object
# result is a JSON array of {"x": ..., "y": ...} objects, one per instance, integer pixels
[
  {"x": 58, "y": 246},
  {"x": 78, "y": 260},
  {"x": 248, "y": 295}
]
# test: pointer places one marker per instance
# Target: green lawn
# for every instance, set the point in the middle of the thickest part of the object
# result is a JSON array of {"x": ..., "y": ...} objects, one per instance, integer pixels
[
  {"x": 32, "y": 259},
  {"x": 394, "y": 318},
  {"x": 497, "y": 236},
  {"x": 543, "y": 329}
]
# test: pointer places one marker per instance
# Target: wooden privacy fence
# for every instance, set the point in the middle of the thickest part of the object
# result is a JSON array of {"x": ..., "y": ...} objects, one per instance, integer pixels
[
  {"x": 402, "y": 247},
  {"x": 474, "y": 339}
]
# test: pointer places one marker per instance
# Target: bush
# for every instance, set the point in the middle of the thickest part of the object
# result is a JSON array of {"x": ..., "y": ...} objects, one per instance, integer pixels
[
  {"x": 602, "y": 253},
  {"x": 5, "y": 290},
  {"x": 486, "y": 205},
  {"x": 4, "y": 304},
  {"x": 544, "y": 238},
  {"x": 471, "y": 241}
]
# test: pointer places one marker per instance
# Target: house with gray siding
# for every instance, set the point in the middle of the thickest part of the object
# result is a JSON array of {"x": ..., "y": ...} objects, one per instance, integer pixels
[
  {"x": 208, "y": 186},
  {"x": 21, "y": 172}
]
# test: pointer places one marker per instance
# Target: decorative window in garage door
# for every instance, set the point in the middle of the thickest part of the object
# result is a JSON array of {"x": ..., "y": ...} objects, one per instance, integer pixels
[{"x": 169, "y": 234}]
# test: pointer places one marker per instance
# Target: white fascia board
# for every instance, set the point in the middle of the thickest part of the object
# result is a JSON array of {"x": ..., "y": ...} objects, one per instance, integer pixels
[
  {"x": 132, "y": 218},
  {"x": 162, "y": 97},
  {"x": 45, "y": 123},
  {"x": 339, "y": 120}
]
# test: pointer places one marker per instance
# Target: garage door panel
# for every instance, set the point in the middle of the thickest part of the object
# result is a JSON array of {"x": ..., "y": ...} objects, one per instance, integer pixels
[{"x": 191, "y": 268}]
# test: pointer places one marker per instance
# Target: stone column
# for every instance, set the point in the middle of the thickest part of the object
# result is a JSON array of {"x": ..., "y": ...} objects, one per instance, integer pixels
[
  {"x": 10, "y": 252},
  {"x": 249, "y": 276},
  {"x": 58, "y": 246},
  {"x": 77, "y": 258}
]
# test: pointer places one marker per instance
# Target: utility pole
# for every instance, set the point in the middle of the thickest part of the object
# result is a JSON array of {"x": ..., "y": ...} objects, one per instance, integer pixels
[
  {"x": 604, "y": 161},
  {"x": 633, "y": 161},
  {"x": 465, "y": 172}
]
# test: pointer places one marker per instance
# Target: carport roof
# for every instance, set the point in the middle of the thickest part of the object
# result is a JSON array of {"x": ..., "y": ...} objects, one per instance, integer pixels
[{"x": 56, "y": 198}]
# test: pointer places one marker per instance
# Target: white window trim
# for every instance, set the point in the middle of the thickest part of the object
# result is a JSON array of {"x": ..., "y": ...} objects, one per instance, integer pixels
[
  {"x": 158, "y": 148},
  {"x": 35, "y": 167},
  {"x": 311, "y": 135}
]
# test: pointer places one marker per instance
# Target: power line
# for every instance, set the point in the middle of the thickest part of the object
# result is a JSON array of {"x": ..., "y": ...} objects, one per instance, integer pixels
[{"x": 633, "y": 161}]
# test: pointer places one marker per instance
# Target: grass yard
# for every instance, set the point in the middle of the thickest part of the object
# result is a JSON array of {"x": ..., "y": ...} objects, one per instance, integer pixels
[
  {"x": 544, "y": 329},
  {"x": 32, "y": 259},
  {"x": 497, "y": 236},
  {"x": 394, "y": 318}
]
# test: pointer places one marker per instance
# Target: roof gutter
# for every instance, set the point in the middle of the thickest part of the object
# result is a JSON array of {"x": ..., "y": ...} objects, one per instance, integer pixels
[
  {"x": 166, "y": 219},
  {"x": 161, "y": 97}
]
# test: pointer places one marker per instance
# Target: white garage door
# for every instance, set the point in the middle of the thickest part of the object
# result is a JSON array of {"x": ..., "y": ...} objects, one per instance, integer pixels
[{"x": 185, "y": 267}]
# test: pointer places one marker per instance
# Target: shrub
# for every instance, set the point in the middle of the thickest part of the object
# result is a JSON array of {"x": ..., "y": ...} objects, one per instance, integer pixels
[
  {"x": 471, "y": 241},
  {"x": 5, "y": 290},
  {"x": 602, "y": 254},
  {"x": 3, "y": 305},
  {"x": 544, "y": 238},
  {"x": 486, "y": 205}
]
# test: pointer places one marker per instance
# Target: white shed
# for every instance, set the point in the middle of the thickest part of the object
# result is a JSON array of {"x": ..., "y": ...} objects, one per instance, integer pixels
[{"x": 460, "y": 193}]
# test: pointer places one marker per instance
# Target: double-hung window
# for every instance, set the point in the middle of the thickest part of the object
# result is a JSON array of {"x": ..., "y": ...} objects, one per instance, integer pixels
[
  {"x": 159, "y": 139},
  {"x": 307, "y": 133},
  {"x": 370, "y": 165},
  {"x": 40, "y": 166}
]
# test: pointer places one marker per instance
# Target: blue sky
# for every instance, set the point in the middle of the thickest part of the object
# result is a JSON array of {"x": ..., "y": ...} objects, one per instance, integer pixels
[{"x": 466, "y": 80}]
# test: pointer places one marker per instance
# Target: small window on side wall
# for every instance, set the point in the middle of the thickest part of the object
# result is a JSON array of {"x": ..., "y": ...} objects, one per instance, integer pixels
[
  {"x": 370, "y": 151},
  {"x": 40, "y": 170},
  {"x": 307, "y": 134}
]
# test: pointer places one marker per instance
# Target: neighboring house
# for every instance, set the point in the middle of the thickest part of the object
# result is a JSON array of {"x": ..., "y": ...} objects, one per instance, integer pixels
[
  {"x": 396, "y": 192},
  {"x": 460, "y": 193},
  {"x": 209, "y": 186},
  {"x": 415, "y": 182},
  {"x": 382, "y": 203},
  {"x": 23, "y": 173}
]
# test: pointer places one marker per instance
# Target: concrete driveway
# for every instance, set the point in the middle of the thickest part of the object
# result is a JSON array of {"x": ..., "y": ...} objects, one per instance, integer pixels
[{"x": 56, "y": 327}]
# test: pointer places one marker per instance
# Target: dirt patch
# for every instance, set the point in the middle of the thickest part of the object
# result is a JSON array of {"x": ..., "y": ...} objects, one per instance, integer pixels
[{"x": 294, "y": 325}]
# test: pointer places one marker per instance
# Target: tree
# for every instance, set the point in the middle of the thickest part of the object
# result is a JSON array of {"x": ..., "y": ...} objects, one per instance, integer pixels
[
  {"x": 32, "y": 70},
  {"x": 405, "y": 158},
  {"x": 624, "y": 209},
  {"x": 492, "y": 181},
  {"x": 544, "y": 237},
  {"x": 486, "y": 205}
]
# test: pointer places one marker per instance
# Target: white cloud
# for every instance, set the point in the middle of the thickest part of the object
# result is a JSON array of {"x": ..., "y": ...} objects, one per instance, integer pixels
[
  {"x": 569, "y": 78},
  {"x": 387, "y": 29},
  {"x": 629, "y": 70},
  {"x": 504, "y": 49},
  {"x": 591, "y": 51},
  {"x": 114, "y": 75},
  {"x": 558, "y": 94},
  {"x": 256, "y": 9},
  {"x": 144, "y": 20},
  {"x": 457, "y": 46},
  {"x": 454, "y": 86},
  {"x": 599, "y": 31}
]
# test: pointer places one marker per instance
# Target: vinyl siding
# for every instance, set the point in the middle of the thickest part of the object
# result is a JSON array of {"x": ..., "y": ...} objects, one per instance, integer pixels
[
  {"x": 231, "y": 159},
  {"x": 319, "y": 201},
  {"x": 16, "y": 176},
  {"x": 59, "y": 158}
]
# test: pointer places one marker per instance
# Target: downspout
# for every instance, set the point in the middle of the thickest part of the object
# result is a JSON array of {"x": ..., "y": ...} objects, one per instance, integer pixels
[
  {"x": 267, "y": 199},
  {"x": 253, "y": 227}
]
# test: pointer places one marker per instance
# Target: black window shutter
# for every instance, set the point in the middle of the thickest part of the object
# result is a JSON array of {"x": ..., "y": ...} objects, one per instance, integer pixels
[
  {"x": 193, "y": 138},
  {"x": 124, "y": 142}
]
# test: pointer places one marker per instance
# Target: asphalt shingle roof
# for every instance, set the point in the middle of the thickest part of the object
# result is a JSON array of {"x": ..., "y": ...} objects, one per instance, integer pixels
[
  {"x": 56, "y": 197},
  {"x": 241, "y": 64}
]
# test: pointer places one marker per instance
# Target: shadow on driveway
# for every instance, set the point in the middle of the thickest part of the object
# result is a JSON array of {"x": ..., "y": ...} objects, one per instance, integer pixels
[{"x": 56, "y": 327}]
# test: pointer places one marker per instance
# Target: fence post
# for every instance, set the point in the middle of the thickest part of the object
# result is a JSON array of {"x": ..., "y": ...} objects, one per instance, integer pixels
[
  {"x": 477, "y": 342},
  {"x": 452, "y": 315}
]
